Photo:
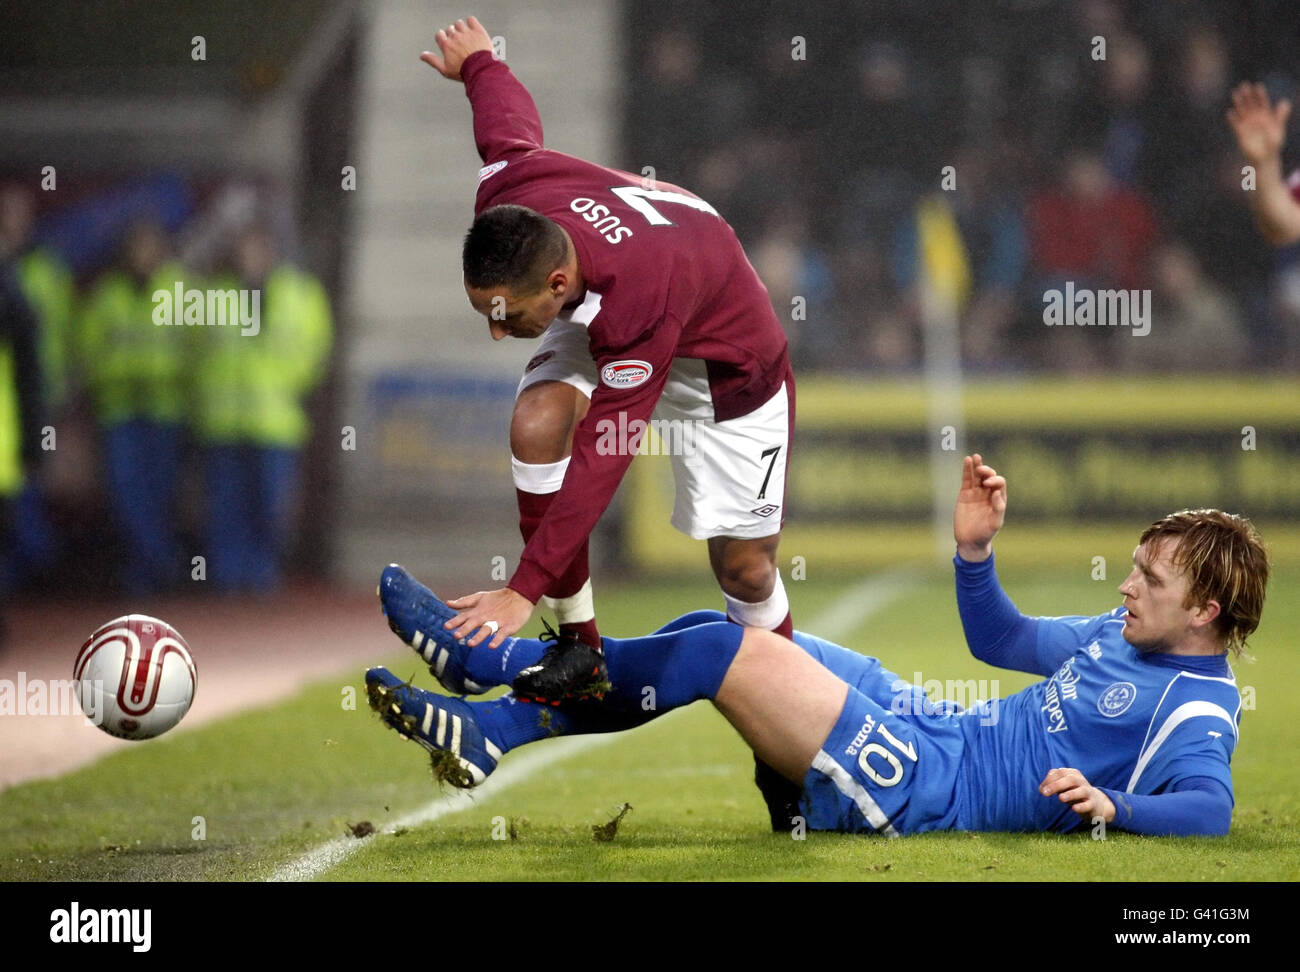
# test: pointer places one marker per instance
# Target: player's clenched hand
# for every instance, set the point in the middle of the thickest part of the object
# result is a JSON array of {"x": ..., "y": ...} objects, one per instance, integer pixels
[
  {"x": 1073, "y": 788},
  {"x": 457, "y": 42},
  {"x": 1259, "y": 126},
  {"x": 508, "y": 608},
  {"x": 981, "y": 509}
]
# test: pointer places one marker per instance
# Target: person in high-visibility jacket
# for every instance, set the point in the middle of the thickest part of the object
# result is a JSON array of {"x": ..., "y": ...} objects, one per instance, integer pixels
[
  {"x": 47, "y": 285},
  {"x": 20, "y": 405},
  {"x": 134, "y": 372},
  {"x": 249, "y": 386}
]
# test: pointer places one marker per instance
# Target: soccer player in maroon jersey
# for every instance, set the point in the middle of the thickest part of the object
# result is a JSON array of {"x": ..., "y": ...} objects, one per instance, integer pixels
[
  {"x": 647, "y": 308},
  {"x": 1260, "y": 128}
]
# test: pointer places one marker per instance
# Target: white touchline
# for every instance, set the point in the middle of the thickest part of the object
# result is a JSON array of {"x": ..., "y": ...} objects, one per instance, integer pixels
[
  {"x": 854, "y": 607},
  {"x": 859, "y": 603},
  {"x": 517, "y": 770}
]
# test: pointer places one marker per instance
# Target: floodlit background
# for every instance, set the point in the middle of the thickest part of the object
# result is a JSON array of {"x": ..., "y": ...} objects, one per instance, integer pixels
[
  {"x": 910, "y": 179},
  {"x": 867, "y": 155}
]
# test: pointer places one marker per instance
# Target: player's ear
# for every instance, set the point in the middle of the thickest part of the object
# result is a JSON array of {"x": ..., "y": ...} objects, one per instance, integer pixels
[{"x": 1206, "y": 613}]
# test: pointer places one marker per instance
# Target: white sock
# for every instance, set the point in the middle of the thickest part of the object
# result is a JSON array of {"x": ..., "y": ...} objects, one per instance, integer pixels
[
  {"x": 765, "y": 614},
  {"x": 541, "y": 477},
  {"x": 575, "y": 608}
]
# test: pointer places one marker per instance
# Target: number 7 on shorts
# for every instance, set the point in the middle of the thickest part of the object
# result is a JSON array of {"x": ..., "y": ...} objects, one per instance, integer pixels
[{"x": 762, "y": 493}]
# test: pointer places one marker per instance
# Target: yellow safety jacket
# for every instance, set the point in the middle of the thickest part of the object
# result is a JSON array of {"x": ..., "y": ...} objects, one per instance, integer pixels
[{"x": 249, "y": 382}]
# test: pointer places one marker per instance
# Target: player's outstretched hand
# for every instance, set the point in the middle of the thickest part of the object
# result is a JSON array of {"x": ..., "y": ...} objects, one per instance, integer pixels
[
  {"x": 456, "y": 43},
  {"x": 509, "y": 609},
  {"x": 1073, "y": 788},
  {"x": 1259, "y": 126},
  {"x": 981, "y": 509}
]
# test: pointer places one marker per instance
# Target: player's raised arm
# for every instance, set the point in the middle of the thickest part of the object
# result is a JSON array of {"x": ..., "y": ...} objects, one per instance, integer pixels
[
  {"x": 996, "y": 632},
  {"x": 505, "y": 117},
  {"x": 456, "y": 43},
  {"x": 981, "y": 509},
  {"x": 1260, "y": 128}
]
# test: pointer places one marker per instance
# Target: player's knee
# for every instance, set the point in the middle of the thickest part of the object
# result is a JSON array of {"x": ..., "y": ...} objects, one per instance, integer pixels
[
  {"x": 541, "y": 428},
  {"x": 761, "y": 640},
  {"x": 749, "y": 578}
]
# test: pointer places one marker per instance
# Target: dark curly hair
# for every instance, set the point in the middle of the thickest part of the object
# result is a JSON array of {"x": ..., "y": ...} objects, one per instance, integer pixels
[{"x": 512, "y": 247}]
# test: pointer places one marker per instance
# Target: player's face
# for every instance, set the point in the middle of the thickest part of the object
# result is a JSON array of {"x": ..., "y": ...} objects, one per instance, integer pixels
[
  {"x": 510, "y": 315},
  {"x": 1154, "y": 594}
]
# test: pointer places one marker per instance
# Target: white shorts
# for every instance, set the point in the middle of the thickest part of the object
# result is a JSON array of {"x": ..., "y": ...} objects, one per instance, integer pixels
[{"x": 730, "y": 476}]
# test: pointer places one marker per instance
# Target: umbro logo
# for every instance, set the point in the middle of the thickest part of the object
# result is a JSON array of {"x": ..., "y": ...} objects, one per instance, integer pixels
[{"x": 767, "y": 510}]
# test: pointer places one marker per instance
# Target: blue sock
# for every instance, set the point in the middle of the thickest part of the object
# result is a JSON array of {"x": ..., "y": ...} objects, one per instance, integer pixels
[
  {"x": 650, "y": 676},
  {"x": 510, "y": 723},
  {"x": 660, "y": 672},
  {"x": 500, "y": 666}
]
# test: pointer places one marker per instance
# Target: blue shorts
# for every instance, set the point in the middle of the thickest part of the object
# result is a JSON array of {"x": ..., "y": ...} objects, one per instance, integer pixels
[{"x": 890, "y": 764}]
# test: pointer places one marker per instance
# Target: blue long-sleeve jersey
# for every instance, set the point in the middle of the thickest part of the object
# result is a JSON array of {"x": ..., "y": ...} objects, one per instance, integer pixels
[{"x": 1154, "y": 731}]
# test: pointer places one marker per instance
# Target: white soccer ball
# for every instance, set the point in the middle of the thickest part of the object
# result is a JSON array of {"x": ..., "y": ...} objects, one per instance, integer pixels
[{"x": 135, "y": 677}]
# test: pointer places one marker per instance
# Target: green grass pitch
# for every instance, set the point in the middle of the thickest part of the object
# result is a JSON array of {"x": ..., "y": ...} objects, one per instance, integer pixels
[{"x": 273, "y": 785}]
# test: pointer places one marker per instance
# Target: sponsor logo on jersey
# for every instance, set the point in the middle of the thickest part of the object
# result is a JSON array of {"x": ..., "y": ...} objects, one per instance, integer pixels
[
  {"x": 537, "y": 360},
  {"x": 488, "y": 171},
  {"x": 1094, "y": 649},
  {"x": 626, "y": 374},
  {"x": 1116, "y": 699},
  {"x": 1061, "y": 688}
]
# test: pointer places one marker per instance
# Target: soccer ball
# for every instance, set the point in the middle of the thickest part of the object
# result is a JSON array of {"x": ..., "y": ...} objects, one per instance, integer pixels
[{"x": 135, "y": 677}]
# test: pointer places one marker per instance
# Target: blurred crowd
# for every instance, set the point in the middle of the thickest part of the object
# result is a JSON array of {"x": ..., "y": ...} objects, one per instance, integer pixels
[
  {"x": 135, "y": 408},
  {"x": 1106, "y": 164}
]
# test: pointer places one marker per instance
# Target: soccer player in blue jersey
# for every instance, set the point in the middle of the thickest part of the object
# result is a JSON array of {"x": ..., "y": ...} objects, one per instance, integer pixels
[{"x": 1134, "y": 723}]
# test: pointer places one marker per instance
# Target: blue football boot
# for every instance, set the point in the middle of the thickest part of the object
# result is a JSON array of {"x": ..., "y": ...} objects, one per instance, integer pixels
[
  {"x": 416, "y": 616},
  {"x": 461, "y": 754}
]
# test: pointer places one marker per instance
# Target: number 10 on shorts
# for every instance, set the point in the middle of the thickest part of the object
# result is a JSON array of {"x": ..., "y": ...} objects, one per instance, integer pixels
[{"x": 895, "y": 764}]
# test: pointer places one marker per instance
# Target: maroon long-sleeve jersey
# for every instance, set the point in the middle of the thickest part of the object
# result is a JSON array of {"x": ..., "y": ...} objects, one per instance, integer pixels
[{"x": 665, "y": 278}]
